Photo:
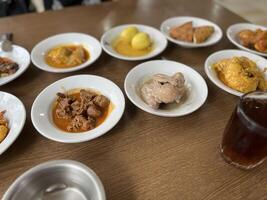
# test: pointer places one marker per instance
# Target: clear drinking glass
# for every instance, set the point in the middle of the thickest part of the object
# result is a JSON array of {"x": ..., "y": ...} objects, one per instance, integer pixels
[{"x": 244, "y": 141}]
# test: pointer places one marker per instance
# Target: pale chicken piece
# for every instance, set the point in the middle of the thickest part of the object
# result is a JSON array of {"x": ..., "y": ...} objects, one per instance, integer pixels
[
  {"x": 202, "y": 33},
  {"x": 163, "y": 89}
]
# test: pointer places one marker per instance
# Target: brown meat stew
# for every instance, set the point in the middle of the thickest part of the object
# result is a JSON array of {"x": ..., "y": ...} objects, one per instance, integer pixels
[{"x": 80, "y": 110}]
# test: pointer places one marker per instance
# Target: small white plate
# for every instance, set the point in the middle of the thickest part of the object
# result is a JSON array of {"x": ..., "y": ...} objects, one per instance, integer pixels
[
  {"x": 19, "y": 55},
  {"x": 234, "y": 29},
  {"x": 197, "y": 90},
  {"x": 219, "y": 55},
  {"x": 90, "y": 43},
  {"x": 41, "y": 112},
  {"x": 177, "y": 21},
  {"x": 16, "y": 116},
  {"x": 158, "y": 39}
]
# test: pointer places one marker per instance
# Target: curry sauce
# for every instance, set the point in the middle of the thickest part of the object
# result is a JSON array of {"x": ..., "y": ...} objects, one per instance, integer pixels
[{"x": 125, "y": 48}]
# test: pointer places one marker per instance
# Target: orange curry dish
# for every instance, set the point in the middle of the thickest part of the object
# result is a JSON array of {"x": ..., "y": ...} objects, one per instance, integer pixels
[
  {"x": 80, "y": 111},
  {"x": 66, "y": 56}
]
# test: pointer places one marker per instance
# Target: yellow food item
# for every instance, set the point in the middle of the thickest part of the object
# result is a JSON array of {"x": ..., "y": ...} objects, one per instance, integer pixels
[
  {"x": 3, "y": 126},
  {"x": 67, "y": 56},
  {"x": 3, "y": 132},
  {"x": 132, "y": 43},
  {"x": 141, "y": 41},
  {"x": 241, "y": 74},
  {"x": 128, "y": 33}
]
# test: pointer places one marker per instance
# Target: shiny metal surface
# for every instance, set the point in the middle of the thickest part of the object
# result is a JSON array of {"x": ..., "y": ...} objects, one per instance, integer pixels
[
  {"x": 6, "y": 44},
  {"x": 57, "y": 180}
]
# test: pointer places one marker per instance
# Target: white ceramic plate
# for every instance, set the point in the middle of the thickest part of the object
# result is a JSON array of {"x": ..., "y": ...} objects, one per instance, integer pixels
[
  {"x": 16, "y": 116},
  {"x": 41, "y": 112},
  {"x": 177, "y": 21},
  {"x": 219, "y": 55},
  {"x": 89, "y": 43},
  {"x": 234, "y": 29},
  {"x": 19, "y": 55},
  {"x": 160, "y": 42},
  {"x": 196, "y": 87}
]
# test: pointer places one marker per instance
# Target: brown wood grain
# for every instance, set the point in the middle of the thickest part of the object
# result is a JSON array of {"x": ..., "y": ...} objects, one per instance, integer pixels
[{"x": 144, "y": 157}]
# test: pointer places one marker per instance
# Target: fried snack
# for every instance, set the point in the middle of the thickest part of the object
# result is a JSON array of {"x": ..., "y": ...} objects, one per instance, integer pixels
[
  {"x": 3, "y": 126},
  {"x": 254, "y": 39},
  {"x": 241, "y": 74},
  {"x": 247, "y": 37},
  {"x": 202, "y": 33},
  {"x": 184, "y": 32}
]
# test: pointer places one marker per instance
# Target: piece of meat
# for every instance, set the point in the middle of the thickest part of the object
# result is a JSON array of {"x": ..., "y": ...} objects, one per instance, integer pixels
[
  {"x": 65, "y": 109},
  {"x": 101, "y": 101},
  {"x": 7, "y": 67},
  {"x": 80, "y": 123},
  {"x": 202, "y": 33},
  {"x": 93, "y": 111},
  {"x": 261, "y": 46},
  {"x": 163, "y": 89},
  {"x": 76, "y": 108},
  {"x": 254, "y": 39},
  {"x": 86, "y": 98},
  {"x": 183, "y": 32},
  {"x": 246, "y": 37}
]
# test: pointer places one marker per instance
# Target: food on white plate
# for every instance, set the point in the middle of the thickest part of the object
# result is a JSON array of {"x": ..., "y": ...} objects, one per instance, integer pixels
[
  {"x": 128, "y": 33},
  {"x": 7, "y": 67},
  {"x": 141, "y": 41},
  {"x": 131, "y": 42},
  {"x": 66, "y": 56},
  {"x": 241, "y": 74},
  {"x": 80, "y": 110},
  {"x": 256, "y": 40},
  {"x": 163, "y": 89},
  {"x": 3, "y": 126},
  {"x": 186, "y": 32}
]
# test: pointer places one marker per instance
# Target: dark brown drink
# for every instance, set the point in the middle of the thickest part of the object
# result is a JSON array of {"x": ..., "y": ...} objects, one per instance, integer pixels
[{"x": 245, "y": 137}]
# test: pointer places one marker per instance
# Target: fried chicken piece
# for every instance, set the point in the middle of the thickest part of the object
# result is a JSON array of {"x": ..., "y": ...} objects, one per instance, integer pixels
[
  {"x": 3, "y": 126},
  {"x": 254, "y": 39},
  {"x": 241, "y": 74},
  {"x": 202, "y": 33},
  {"x": 246, "y": 37},
  {"x": 261, "y": 46},
  {"x": 184, "y": 32}
]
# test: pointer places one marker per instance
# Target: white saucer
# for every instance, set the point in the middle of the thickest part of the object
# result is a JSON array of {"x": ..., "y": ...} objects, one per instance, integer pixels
[
  {"x": 160, "y": 42},
  {"x": 176, "y": 21},
  {"x": 234, "y": 29},
  {"x": 196, "y": 87},
  {"x": 19, "y": 55},
  {"x": 16, "y": 116},
  {"x": 90, "y": 43},
  {"x": 219, "y": 55},
  {"x": 41, "y": 113}
]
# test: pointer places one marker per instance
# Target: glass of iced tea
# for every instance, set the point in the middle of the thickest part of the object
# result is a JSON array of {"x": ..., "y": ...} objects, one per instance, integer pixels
[{"x": 244, "y": 141}]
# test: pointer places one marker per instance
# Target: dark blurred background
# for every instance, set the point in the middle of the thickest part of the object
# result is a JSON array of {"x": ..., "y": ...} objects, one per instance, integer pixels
[{"x": 14, "y": 7}]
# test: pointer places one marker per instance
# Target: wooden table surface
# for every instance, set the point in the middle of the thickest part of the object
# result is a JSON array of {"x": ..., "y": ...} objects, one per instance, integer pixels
[{"x": 144, "y": 156}]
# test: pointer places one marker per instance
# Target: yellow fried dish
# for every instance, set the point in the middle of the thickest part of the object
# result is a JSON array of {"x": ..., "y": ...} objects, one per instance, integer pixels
[
  {"x": 241, "y": 74},
  {"x": 3, "y": 126},
  {"x": 67, "y": 56}
]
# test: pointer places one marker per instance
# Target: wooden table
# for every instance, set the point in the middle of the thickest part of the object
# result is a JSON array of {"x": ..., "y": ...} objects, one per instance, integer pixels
[{"x": 144, "y": 156}]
